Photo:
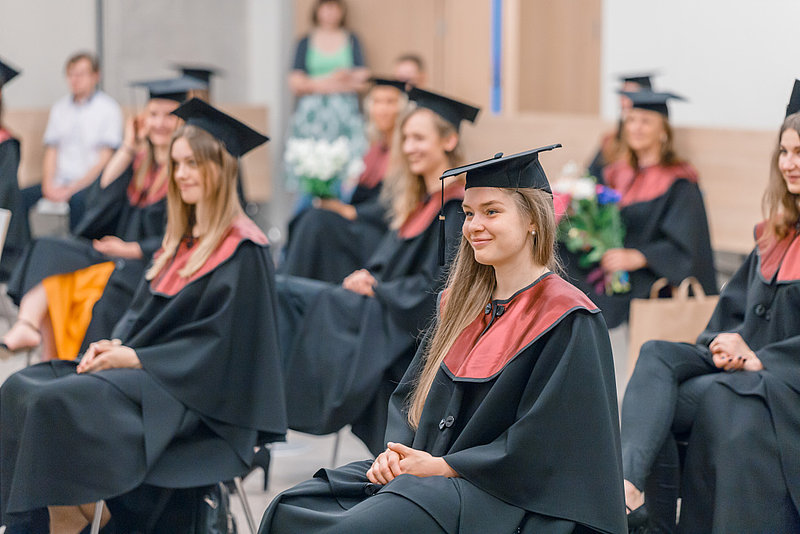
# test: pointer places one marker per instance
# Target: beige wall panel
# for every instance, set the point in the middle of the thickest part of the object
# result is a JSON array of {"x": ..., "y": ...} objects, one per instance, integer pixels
[
  {"x": 559, "y": 55},
  {"x": 467, "y": 47}
]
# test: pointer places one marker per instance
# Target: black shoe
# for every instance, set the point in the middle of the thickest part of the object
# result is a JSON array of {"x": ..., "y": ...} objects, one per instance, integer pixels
[
  {"x": 638, "y": 520},
  {"x": 262, "y": 460}
]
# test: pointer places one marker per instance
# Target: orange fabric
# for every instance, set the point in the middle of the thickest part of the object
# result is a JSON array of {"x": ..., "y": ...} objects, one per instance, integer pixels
[{"x": 70, "y": 299}]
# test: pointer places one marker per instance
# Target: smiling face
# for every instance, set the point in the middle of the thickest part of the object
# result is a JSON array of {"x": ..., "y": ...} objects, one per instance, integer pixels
[
  {"x": 159, "y": 122},
  {"x": 789, "y": 160},
  {"x": 644, "y": 129},
  {"x": 187, "y": 173},
  {"x": 496, "y": 228},
  {"x": 424, "y": 149}
]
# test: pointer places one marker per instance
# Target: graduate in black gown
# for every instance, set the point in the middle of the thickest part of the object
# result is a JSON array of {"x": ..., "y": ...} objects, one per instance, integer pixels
[
  {"x": 18, "y": 234},
  {"x": 332, "y": 239},
  {"x": 190, "y": 381},
  {"x": 666, "y": 230},
  {"x": 611, "y": 142},
  {"x": 113, "y": 242},
  {"x": 347, "y": 345},
  {"x": 506, "y": 420},
  {"x": 742, "y": 470}
]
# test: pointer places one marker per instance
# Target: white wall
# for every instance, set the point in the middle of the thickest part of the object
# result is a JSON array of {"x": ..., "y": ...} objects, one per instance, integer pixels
[
  {"x": 37, "y": 36},
  {"x": 735, "y": 60}
]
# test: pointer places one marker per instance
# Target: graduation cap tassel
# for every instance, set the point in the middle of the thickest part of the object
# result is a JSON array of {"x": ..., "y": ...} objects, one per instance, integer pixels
[{"x": 441, "y": 229}]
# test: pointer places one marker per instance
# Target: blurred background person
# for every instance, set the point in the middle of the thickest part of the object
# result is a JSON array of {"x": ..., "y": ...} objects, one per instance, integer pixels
[
  {"x": 84, "y": 129},
  {"x": 327, "y": 74},
  {"x": 332, "y": 239}
]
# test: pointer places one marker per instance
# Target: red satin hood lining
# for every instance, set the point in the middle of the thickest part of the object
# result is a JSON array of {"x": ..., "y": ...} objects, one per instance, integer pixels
[
  {"x": 527, "y": 316},
  {"x": 169, "y": 282},
  {"x": 781, "y": 257},
  {"x": 376, "y": 160},
  {"x": 143, "y": 196},
  {"x": 5, "y": 135},
  {"x": 646, "y": 184},
  {"x": 424, "y": 215}
]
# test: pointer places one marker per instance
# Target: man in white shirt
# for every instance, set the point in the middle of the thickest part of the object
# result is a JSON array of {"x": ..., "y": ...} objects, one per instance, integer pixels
[{"x": 84, "y": 129}]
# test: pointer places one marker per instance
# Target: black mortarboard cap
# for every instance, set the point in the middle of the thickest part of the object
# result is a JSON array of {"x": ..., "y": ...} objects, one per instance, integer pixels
[
  {"x": 517, "y": 171},
  {"x": 398, "y": 84},
  {"x": 450, "y": 110},
  {"x": 199, "y": 72},
  {"x": 175, "y": 89},
  {"x": 7, "y": 73},
  {"x": 643, "y": 80},
  {"x": 651, "y": 100},
  {"x": 238, "y": 138},
  {"x": 794, "y": 100}
]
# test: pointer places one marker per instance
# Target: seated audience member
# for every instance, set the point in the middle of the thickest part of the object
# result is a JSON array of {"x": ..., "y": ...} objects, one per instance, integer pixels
[
  {"x": 666, "y": 230},
  {"x": 188, "y": 383},
  {"x": 741, "y": 471},
  {"x": 333, "y": 239},
  {"x": 609, "y": 150},
  {"x": 347, "y": 345},
  {"x": 506, "y": 420},
  {"x": 58, "y": 280},
  {"x": 84, "y": 129},
  {"x": 410, "y": 68},
  {"x": 18, "y": 234}
]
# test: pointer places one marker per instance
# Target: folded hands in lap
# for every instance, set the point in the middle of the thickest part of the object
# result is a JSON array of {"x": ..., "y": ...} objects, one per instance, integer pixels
[
  {"x": 108, "y": 354},
  {"x": 399, "y": 459}
]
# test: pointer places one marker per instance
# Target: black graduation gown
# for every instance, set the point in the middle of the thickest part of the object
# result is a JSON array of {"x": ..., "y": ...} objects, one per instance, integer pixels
[
  {"x": 209, "y": 390},
  {"x": 325, "y": 246},
  {"x": 109, "y": 213},
  {"x": 759, "y": 303},
  {"x": 18, "y": 234},
  {"x": 523, "y": 409},
  {"x": 345, "y": 352},
  {"x": 671, "y": 230}
]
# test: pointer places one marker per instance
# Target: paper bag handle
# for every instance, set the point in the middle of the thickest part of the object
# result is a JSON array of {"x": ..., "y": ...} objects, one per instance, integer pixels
[{"x": 682, "y": 291}]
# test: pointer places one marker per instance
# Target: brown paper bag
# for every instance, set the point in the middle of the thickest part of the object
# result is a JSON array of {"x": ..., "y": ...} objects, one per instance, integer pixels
[{"x": 679, "y": 318}]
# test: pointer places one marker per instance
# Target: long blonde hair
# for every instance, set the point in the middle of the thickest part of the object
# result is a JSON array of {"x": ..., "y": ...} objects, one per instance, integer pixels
[
  {"x": 219, "y": 172},
  {"x": 470, "y": 286},
  {"x": 779, "y": 205},
  {"x": 402, "y": 190}
]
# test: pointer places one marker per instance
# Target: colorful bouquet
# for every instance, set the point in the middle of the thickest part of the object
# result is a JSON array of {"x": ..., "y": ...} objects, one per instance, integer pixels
[
  {"x": 318, "y": 163},
  {"x": 592, "y": 225}
]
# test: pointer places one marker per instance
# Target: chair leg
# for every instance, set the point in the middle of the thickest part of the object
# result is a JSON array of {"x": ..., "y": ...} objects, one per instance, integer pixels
[
  {"x": 248, "y": 513},
  {"x": 336, "y": 444},
  {"x": 98, "y": 516}
]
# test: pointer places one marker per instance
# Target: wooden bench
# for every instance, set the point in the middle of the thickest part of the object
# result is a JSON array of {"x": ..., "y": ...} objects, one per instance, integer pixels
[{"x": 28, "y": 125}]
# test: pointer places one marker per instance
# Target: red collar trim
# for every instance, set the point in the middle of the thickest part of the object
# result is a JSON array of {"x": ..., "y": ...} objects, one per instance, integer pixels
[
  {"x": 169, "y": 282},
  {"x": 647, "y": 183},
  {"x": 778, "y": 260},
  {"x": 5, "y": 135},
  {"x": 480, "y": 353},
  {"x": 426, "y": 212},
  {"x": 376, "y": 160}
]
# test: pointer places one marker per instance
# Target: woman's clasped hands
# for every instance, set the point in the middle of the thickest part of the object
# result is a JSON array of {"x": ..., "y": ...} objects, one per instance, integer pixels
[
  {"x": 399, "y": 459},
  {"x": 108, "y": 354}
]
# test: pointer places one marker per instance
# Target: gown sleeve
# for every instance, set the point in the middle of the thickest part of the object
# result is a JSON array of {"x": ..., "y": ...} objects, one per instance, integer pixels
[
  {"x": 729, "y": 313},
  {"x": 217, "y": 335},
  {"x": 408, "y": 298},
  {"x": 685, "y": 249},
  {"x": 103, "y": 212}
]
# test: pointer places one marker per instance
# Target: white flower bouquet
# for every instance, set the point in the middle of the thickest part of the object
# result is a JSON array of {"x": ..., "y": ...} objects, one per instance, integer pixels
[{"x": 319, "y": 163}]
